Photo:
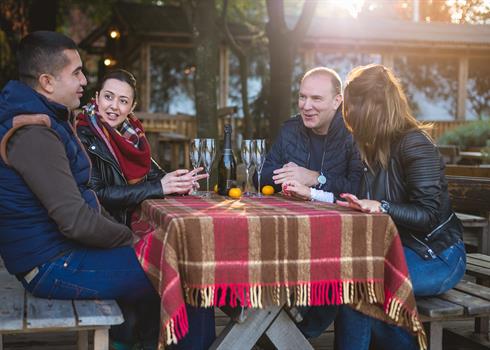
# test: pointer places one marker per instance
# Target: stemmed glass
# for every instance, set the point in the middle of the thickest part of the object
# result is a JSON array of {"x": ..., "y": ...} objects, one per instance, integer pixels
[
  {"x": 208, "y": 151},
  {"x": 195, "y": 156},
  {"x": 258, "y": 157},
  {"x": 247, "y": 147}
]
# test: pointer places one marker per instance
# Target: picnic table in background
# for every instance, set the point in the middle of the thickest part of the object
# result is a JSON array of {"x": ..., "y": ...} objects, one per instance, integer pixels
[{"x": 258, "y": 252}]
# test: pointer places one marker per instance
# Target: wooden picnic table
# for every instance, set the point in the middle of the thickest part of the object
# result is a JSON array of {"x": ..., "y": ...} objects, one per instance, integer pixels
[{"x": 266, "y": 254}]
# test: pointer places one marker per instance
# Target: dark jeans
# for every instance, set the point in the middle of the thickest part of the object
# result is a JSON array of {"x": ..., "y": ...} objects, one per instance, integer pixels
[
  {"x": 355, "y": 331},
  {"x": 116, "y": 274}
]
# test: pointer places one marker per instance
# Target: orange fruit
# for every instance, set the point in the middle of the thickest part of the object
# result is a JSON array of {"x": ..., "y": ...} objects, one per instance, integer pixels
[
  {"x": 215, "y": 188},
  {"x": 267, "y": 190},
  {"x": 235, "y": 192}
]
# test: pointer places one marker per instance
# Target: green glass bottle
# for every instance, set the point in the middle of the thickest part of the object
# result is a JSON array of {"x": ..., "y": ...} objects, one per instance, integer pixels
[{"x": 226, "y": 165}]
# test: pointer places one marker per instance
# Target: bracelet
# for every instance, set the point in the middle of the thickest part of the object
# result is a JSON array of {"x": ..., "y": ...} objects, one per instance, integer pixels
[{"x": 321, "y": 196}]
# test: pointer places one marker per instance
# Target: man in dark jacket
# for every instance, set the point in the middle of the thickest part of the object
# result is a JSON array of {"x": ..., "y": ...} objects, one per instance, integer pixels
[
  {"x": 314, "y": 148},
  {"x": 54, "y": 235}
]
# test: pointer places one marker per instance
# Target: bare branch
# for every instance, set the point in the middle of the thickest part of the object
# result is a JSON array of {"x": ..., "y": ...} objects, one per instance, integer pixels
[{"x": 304, "y": 20}]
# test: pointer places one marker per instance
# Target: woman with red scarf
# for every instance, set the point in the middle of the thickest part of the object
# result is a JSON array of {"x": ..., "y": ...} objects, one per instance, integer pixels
[
  {"x": 123, "y": 172},
  {"x": 123, "y": 175}
]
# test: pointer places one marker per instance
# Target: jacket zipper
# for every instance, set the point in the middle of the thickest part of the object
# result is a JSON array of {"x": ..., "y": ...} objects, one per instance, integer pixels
[
  {"x": 429, "y": 249},
  {"x": 441, "y": 225},
  {"x": 110, "y": 162}
]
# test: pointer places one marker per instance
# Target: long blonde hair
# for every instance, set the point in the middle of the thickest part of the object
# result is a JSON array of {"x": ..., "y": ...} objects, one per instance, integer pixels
[{"x": 376, "y": 111}]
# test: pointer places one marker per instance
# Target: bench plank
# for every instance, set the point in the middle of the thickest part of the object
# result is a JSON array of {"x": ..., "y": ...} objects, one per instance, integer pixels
[
  {"x": 49, "y": 313},
  {"x": 471, "y": 304},
  {"x": 479, "y": 256},
  {"x": 98, "y": 312},
  {"x": 477, "y": 271},
  {"x": 435, "y": 307},
  {"x": 474, "y": 289},
  {"x": 11, "y": 310}
]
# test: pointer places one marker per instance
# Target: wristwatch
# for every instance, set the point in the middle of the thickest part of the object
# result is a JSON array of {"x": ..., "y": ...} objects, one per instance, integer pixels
[
  {"x": 321, "y": 179},
  {"x": 384, "y": 207}
]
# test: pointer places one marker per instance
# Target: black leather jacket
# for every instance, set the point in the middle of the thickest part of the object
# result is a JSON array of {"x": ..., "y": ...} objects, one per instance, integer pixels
[
  {"x": 416, "y": 188},
  {"x": 107, "y": 180}
]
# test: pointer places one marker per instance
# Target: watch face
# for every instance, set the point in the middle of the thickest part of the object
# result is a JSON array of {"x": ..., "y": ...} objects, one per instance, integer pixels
[{"x": 322, "y": 179}]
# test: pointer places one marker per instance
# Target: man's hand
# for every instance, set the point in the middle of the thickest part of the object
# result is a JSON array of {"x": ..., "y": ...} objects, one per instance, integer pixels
[
  {"x": 293, "y": 172},
  {"x": 181, "y": 181}
]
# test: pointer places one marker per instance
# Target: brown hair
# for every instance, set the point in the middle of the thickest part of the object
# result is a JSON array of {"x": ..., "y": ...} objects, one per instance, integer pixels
[
  {"x": 376, "y": 111},
  {"x": 334, "y": 77},
  {"x": 125, "y": 77}
]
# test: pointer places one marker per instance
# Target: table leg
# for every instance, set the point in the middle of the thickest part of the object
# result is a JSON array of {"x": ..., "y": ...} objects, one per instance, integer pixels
[
  {"x": 284, "y": 334},
  {"x": 245, "y": 335}
]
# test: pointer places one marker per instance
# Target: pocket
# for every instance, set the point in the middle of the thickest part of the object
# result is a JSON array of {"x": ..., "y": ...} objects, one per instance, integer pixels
[
  {"x": 66, "y": 290},
  {"x": 454, "y": 277}
]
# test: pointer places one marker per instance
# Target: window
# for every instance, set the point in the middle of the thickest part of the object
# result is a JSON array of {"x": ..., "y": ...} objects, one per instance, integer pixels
[
  {"x": 172, "y": 73},
  {"x": 431, "y": 85},
  {"x": 478, "y": 89}
]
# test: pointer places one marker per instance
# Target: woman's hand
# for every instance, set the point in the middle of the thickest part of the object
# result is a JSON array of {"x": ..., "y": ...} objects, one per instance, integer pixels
[
  {"x": 181, "y": 181},
  {"x": 364, "y": 205},
  {"x": 296, "y": 189}
]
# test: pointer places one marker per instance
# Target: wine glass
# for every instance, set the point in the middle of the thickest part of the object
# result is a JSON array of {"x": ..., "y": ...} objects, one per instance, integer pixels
[
  {"x": 208, "y": 151},
  {"x": 195, "y": 156},
  {"x": 247, "y": 147},
  {"x": 258, "y": 157}
]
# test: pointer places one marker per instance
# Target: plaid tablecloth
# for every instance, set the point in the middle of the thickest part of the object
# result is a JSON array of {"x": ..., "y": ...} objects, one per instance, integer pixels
[{"x": 271, "y": 251}]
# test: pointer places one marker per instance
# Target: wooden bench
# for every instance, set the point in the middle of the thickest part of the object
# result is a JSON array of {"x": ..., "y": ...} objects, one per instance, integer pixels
[
  {"x": 468, "y": 170},
  {"x": 20, "y": 312},
  {"x": 449, "y": 153},
  {"x": 466, "y": 300},
  {"x": 470, "y": 199}
]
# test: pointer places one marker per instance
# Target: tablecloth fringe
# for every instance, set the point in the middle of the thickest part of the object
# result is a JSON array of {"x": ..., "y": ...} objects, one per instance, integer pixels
[
  {"x": 396, "y": 311},
  {"x": 303, "y": 294}
]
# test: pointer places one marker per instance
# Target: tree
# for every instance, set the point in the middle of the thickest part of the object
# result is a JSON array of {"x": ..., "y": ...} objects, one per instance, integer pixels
[
  {"x": 283, "y": 45},
  {"x": 201, "y": 16}
]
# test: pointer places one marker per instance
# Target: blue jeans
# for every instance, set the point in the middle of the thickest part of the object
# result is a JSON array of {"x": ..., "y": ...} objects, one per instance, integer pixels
[
  {"x": 114, "y": 274},
  {"x": 356, "y": 331}
]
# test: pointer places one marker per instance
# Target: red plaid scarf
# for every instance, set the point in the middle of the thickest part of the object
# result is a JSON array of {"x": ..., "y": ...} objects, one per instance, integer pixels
[{"x": 129, "y": 146}]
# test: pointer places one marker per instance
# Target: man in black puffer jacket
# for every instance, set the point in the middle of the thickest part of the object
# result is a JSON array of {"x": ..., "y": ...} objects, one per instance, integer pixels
[{"x": 314, "y": 148}]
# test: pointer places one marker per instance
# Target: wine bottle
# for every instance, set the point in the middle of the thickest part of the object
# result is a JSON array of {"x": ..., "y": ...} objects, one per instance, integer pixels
[{"x": 226, "y": 165}]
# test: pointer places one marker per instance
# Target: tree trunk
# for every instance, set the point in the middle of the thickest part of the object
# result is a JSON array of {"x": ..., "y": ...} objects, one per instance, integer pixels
[
  {"x": 283, "y": 44},
  {"x": 205, "y": 39},
  {"x": 42, "y": 15},
  {"x": 281, "y": 69}
]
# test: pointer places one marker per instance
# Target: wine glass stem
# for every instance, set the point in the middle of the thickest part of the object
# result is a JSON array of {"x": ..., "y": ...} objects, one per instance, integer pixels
[
  {"x": 246, "y": 182},
  {"x": 258, "y": 181},
  {"x": 207, "y": 182}
]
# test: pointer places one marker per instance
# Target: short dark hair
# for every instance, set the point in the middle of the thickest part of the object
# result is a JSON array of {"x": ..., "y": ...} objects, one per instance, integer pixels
[
  {"x": 124, "y": 76},
  {"x": 41, "y": 52}
]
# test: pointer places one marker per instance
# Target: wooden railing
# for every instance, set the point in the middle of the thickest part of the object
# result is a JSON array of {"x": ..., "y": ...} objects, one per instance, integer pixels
[{"x": 441, "y": 126}]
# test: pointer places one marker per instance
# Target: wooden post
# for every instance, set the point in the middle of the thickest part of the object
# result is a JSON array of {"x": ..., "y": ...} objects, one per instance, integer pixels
[
  {"x": 309, "y": 59},
  {"x": 1, "y": 342},
  {"x": 145, "y": 77},
  {"x": 101, "y": 339},
  {"x": 388, "y": 59},
  {"x": 462, "y": 93},
  {"x": 82, "y": 340},
  {"x": 224, "y": 76},
  {"x": 435, "y": 335}
]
